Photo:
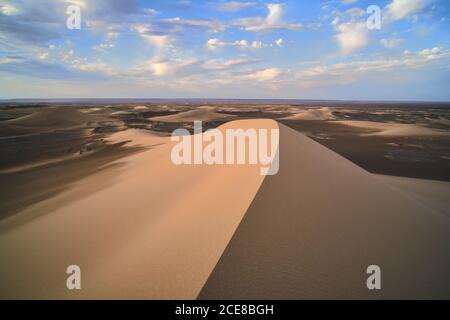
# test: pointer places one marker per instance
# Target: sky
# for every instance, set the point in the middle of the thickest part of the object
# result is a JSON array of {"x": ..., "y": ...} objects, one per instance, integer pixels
[{"x": 291, "y": 49}]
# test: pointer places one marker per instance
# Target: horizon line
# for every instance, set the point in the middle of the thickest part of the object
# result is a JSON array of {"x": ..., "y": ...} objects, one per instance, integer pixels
[{"x": 219, "y": 99}]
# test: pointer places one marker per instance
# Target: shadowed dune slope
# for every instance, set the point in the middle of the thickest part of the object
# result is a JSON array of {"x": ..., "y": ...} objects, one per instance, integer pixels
[
  {"x": 53, "y": 118},
  {"x": 313, "y": 229}
]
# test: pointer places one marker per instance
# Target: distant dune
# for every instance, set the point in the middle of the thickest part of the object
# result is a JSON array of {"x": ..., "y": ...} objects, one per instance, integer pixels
[
  {"x": 149, "y": 229},
  {"x": 49, "y": 118},
  {"x": 203, "y": 114},
  {"x": 53, "y": 117},
  {"x": 324, "y": 113},
  {"x": 394, "y": 129}
]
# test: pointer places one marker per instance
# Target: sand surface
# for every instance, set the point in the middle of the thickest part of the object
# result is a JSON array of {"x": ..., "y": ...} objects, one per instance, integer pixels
[
  {"x": 433, "y": 194},
  {"x": 313, "y": 229},
  {"x": 149, "y": 229},
  {"x": 152, "y": 230},
  {"x": 394, "y": 129}
]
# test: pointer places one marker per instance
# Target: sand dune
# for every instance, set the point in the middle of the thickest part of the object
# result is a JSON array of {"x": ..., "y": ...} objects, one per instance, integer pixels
[
  {"x": 314, "y": 228},
  {"x": 141, "y": 108},
  {"x": 148, "y": 229},
  {"x": 394, "y": 129},
  {"x": 203, "y": 114},
  {"x": 53, "y": 117},
  {"x": 324, "y": 113},
  {"x": 47, "y": 119}
]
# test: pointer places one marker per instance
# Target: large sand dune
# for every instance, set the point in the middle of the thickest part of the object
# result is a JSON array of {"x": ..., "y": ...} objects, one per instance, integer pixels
[
  {"x": 150, "y": 229},
  {"x": 314, "y": 228}
]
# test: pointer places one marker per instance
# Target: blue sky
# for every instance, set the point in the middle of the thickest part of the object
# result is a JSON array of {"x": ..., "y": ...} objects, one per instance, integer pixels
[{"x": 225, "y": 49}]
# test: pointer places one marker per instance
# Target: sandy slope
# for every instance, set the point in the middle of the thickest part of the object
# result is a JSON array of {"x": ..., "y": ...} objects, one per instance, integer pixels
[
  {"x": 433, "y": 194},
  {"x": 314, "y": 228},
  {"x": 149, "y": 229},
  {"x": 203, "y": 114}
]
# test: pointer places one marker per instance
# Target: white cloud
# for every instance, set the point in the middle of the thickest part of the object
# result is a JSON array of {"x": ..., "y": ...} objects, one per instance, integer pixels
[
  {"x": 214, "y": 44},
  {"x": 235, "y": 6},
  {"x": 210, "y": 25},
  {"x": 95, "y": 67},
  {"x": 348, "y": 1},
  {"x": 343, "y": 73},
  {"x": 8, "y": 9},
  {"x": 355, "y": 12},
  {"x": 111, "y": 35},
  {"x": 279, "y": 42},
  {"x": 158, "y": 41},
  {"x": 432, "y": 54},
  {"x": 141, "y": 28},
  {"x": 400, "y": 9},
  {"x": 161, "y": 67},
  {"x": 390, "y": 42},
  {"x": 264, "y": 75},
  {"x": 219, "y": 64},
  {"x": 275, "y": 13},
  {"x": 272, "y": 21},
  {"x": 43, "y": 56},
  {"x": 104, "y": 46},
  {"x": 352, "y": 36}
]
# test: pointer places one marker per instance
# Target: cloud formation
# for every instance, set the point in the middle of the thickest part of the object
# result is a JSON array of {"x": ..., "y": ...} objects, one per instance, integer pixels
[
  {"x": 234, "y": 6},
  {"x": 216, "y": 46},
  {"x": 273, "y": 20}
]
